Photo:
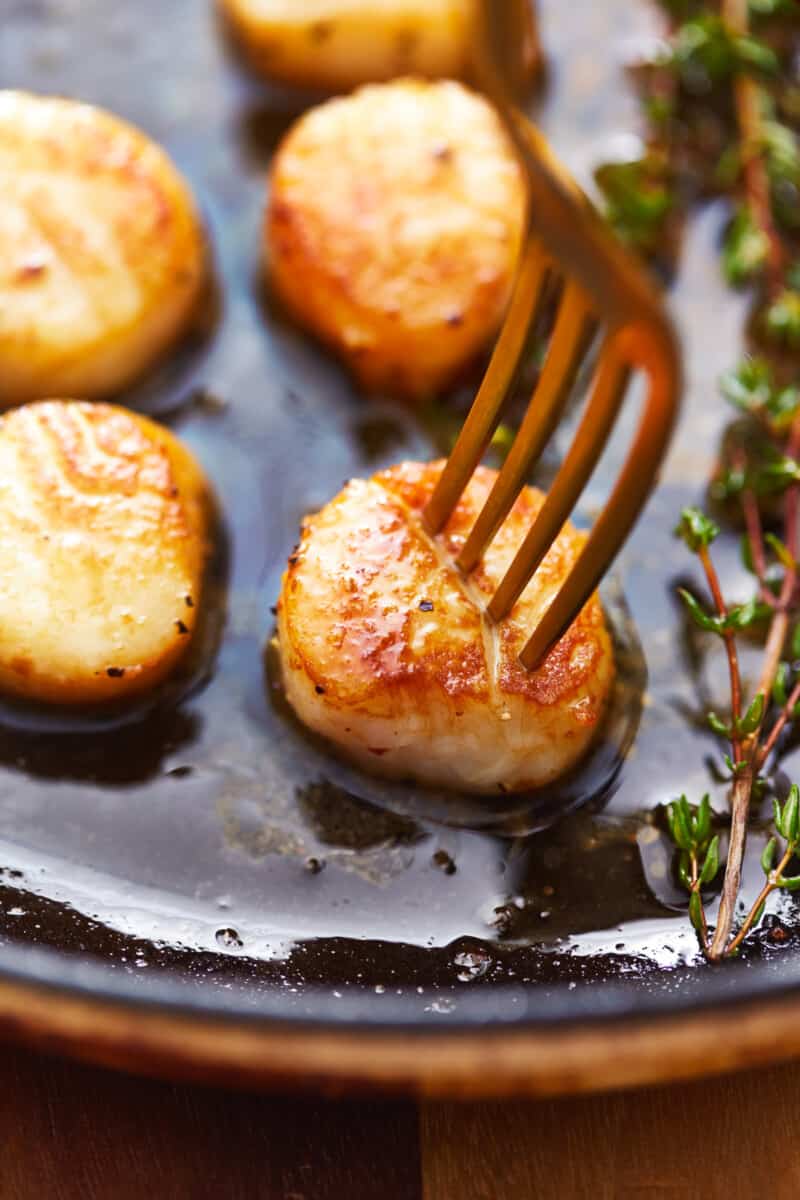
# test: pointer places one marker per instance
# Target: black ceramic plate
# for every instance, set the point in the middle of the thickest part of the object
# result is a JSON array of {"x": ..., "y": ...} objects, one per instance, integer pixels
[{"x": 209, "y": 855}]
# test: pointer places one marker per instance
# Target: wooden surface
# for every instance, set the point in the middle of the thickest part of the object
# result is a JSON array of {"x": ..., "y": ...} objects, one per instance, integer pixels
[{"x": 71, "y": 1132}]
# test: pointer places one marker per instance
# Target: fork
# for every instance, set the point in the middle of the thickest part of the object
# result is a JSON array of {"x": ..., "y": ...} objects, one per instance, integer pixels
[{"x": 603, "y": 295}]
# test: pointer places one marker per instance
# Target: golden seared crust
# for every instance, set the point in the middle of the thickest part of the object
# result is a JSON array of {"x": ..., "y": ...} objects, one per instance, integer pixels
[
  {"x": 393, "y": 227},
  {"x": 570, "y": 667},
  {"x": 102, "y": 256},
  {"x": 337, "y": 44},
  {"x": 361, "y": 560},
  {"x": 386, "y": 651},
  {"x": 105, "y": 519}
]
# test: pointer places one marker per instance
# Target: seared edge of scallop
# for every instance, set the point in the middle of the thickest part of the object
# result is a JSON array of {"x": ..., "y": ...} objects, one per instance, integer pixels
[
  {"x": 392, "y": 230},
  {"x": 385, "y": 651},
  {"x": 105, "y": 520},
  {"x": 102, "y": 254},
  {"x": 337, "y": 44}
]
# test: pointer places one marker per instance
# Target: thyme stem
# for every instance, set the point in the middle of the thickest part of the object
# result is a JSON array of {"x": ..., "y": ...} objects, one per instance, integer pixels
[
  {"x": 730, "y": 647},
  {"x": 755, "y": 534},
  {"x": 740, "y": 809},
  {"x": 747, "y": 103},
  {"x": 775, "y": 732},
  {"x": 766, "y": 891},
  {"x": 695, "y": 880}
]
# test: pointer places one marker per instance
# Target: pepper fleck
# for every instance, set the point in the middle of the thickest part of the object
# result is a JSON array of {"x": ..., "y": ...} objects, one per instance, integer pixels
[
  {"x": 320, "y": 31},
  {"x": 444, "y": 862},
  {"x": 181, "y": 627},
  {"x": 115, "y": 672}
]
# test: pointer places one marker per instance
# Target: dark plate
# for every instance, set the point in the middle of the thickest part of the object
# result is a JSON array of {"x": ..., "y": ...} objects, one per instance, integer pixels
[{"x": 207, "y": 865}]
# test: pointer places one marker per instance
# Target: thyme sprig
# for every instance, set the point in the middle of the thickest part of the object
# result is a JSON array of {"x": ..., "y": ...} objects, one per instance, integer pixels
[
  {"x": 787, "y": 823},
  {"x": 762, "y": 461},
  {"x": 722, "y": 113},
  {"x": 721, "y": 101},
  {"x": 698, "y": 862}
]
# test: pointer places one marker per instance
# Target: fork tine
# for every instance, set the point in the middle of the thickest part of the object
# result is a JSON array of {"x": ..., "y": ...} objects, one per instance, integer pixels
[
  {"x": 636, "y": 480},
  {"x": 573, "y": 331},
  {"x": 596, "y": 424},
  {"x": 484, "y": 414},
  {"x": 566, "y": 240}
]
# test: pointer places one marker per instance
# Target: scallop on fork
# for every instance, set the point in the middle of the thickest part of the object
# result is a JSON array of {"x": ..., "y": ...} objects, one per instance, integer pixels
[{"x": 442, "y": 623}]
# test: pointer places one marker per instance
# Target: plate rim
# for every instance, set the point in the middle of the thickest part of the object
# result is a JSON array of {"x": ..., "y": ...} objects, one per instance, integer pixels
[
  {"x": 52, "y": 1000},
  {"x": 532, "y": 1059}
]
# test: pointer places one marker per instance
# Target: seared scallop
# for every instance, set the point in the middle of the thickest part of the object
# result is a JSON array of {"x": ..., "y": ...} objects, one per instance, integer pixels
[
  {"x": 105, "y": 527},
  {"x": 102, "y": 255},
  {"x": 385, "y": 649},
  {"x": 337, "y": 44},
  {"x": 393, "y": 227}
]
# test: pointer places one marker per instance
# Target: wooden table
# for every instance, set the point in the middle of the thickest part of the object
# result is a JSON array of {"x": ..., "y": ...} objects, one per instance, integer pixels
[{"x": 71, "y": 1132}]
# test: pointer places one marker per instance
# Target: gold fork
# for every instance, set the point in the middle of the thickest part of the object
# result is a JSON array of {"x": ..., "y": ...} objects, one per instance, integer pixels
[{"x": 604, "y": 294}]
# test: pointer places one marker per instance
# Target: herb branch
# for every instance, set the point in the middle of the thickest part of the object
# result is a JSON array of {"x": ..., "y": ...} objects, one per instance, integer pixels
[
  {"x": 722, "y": 109},
  {"x": 722, "y": 106},
  {"x": 764, "y": 465},
  {"x": 787, "y": 823},
  {"x": 698, "y": 864}
]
